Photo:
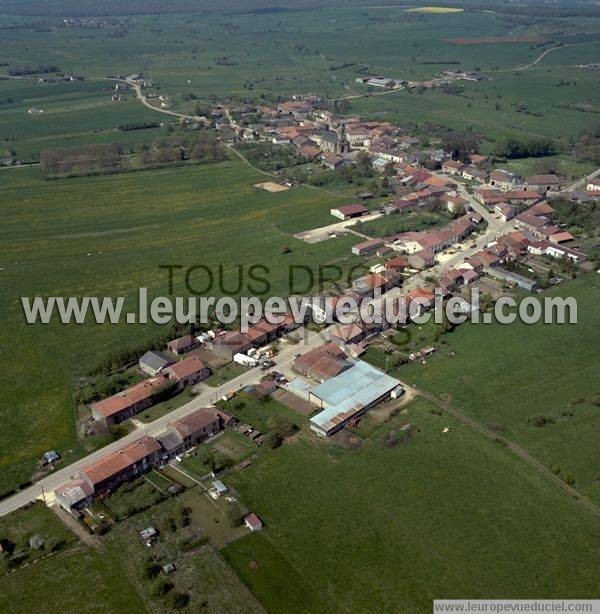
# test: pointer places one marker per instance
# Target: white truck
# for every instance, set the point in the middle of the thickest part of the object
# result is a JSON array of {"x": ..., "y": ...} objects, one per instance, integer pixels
[{"x": 247, "y": 361}]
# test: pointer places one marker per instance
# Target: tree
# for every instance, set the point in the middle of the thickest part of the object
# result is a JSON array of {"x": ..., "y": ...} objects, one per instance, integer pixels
[
  {"x": 281, "y": 425},
  {"x": 180, "y": 600},
  {"x": 271, "y": 440},
  {"x": 460, "y": 144}
]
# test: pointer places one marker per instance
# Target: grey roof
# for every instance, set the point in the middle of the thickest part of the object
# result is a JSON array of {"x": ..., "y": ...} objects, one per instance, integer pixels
[
  {"x": 169, "y": 439},
  {"x": 155, "y": 360}
]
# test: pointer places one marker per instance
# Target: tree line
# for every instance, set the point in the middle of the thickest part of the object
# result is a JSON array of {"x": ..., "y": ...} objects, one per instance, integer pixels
[{"x": 59, "y": 161}]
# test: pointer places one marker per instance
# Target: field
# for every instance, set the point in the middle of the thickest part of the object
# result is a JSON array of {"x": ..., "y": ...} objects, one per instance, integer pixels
[
  {"x": 503, "y": 376},
  {"x": 445, "y": 515},
  {"x": 106, "y": 236},
  {"x": 50, "y": 578},
  {"x": 205, "y": 56}
]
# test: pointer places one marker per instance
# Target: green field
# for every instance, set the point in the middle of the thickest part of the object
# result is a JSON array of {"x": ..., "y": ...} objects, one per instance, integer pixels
[
  {"x": 503, "y": 375},
  {"x": 264, "y": 55},
  {"x": 443, "y": 516},
  {"x": 106, "y": 236}
]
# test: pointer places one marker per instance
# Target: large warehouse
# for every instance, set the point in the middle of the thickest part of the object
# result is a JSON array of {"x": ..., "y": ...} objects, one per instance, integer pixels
[{"x": 348, "y": 395}]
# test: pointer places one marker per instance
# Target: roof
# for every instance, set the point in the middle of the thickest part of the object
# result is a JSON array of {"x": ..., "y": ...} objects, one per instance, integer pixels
[
  {"x": 372, "y": 243},
  {"x": 181, "y": 342},
  {"x": 559, "y": 237},
  {"x": 543, "y": 180},
  {"x": 541, "y": 209},
  {"x": 349, "y": 392},
  {"x": 128, "y": 397},
  {"x": 194, "y": 422},
  {"x": 75, "y": 491},
  {"x": 453, "y": 164},
  {"x": 155, "y": 360},
  {"x": 253, "y": 520},
  {"x": 186, "y": 367},
  {"x": 323, "y": 361},
  {"x": 122, "y": 459},
  {"x": 351, "y": 209},
  {"x": 347, "y": 331},
  {"x": 169, "y": 439}
]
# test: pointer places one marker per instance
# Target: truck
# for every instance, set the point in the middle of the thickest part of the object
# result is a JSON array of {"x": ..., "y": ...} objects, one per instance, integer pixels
[{"x": 247, "y": 361}]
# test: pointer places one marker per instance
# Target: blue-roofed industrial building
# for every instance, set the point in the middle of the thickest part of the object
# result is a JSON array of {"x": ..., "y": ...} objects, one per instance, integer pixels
[{"x": 348, "y": 395}]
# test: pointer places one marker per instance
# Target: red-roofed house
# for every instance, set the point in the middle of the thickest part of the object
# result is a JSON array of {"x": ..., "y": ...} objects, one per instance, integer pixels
[
  {"x": 182, "y": 345},
  {"x": 125, "y": 404},
  {"x": 129, "y": 462},
  {"x": 188, "y": 372}
]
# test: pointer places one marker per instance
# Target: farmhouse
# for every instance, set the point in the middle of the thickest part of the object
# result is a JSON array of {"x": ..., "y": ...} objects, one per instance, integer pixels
[
  {"x": 347, "y": 334},
  {"x": 505, "y": 212},
  {"x": 349, "y": 211},
  {"x": 253, "y": 522},
  {"x": 348, "y": 395},
  {"x": 422, "y": 259},
  {"x": 332, "y": 161},
  {"x": 125, "y": 404}
]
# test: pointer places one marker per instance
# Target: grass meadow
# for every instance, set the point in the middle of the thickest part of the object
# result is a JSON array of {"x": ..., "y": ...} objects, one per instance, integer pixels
[
  {"x": 107, "y": 236},
  {"x": 447, "y": 515},
  {"x": 504, "y": 375}
]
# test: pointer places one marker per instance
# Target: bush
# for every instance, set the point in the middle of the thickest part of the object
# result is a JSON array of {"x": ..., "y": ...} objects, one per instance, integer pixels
[
  {"x": 271, "y": 440},
  {"x": 180, "y": 600},
  {"x": 161, "y": 588}
]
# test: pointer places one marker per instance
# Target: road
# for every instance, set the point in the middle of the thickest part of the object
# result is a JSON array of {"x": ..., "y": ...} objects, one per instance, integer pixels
[
  {"x": 581, "y": 183},
  {"x": 545, "y": 53}
]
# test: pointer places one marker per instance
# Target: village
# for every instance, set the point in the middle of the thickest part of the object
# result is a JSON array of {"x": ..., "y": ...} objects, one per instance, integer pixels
[{"x": 500, "y": 235}]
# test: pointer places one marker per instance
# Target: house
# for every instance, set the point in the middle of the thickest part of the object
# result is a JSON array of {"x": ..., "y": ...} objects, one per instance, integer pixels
[
  {"x": 471, "y": 173},
  {"x": 228, "y": 344},
  {"x": 265, "y": 388},
  {"x": 455, "y": 204},
  {"x": 131, "y": 401},
  {"x": 543, "y": 183},
  {"x": 561, "y": 237},
  {"x": 347, "y": 212},
  {"x": 505, "y": 212},
  {"x": 74, "y": 496},
  {"x": 367, "y": 247},
  {"x": 397, "y": 264},
  {"x": 182, "y": 345},
  {"x": 322, "y": 362},
  {"x": 503, "y": 179},
  {"x": 130, "y": 461},
  {"x": 309, "y": 151},
  {"x": 522, "y": 197},
  {"x": 423, "y": 297},
  {"x": 198, "y": 426},
  {"x": 422, "y": 259},
  {"x": 593, "y": 186},
  {"x": 453, "y": 167},
  {"x": 380, "y": 164},
  {"x": 371, "y": 283},
  {"x": 188, "y": 372},
  {"x": 253, "y": 522},
  {"x": 332, "y": 161},
  {"x": 154, "y": 362},
  {"x": 469, "y": 276},
  {"x": 478, "y": 159},
  {"x": 171, "y": 443},
  {"x": 347, "y": 334}
]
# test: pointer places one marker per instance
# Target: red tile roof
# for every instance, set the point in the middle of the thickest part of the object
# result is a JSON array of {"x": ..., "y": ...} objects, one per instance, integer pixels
[
  {"x": 119, "y": 461},
  {"x": 130, "y": 396},
  {"x": 195, "y": 422},
  {"x": 186, "y": 367}
]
